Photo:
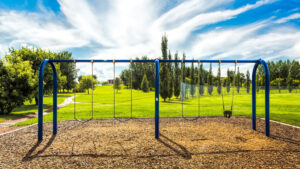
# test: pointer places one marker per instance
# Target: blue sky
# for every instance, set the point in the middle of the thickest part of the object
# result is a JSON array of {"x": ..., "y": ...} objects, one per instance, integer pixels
[{"x": 203, "y": 29}]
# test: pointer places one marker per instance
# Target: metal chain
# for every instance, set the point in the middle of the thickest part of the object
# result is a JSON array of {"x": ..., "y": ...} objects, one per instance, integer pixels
[
  {"x": 92, "y": 88},
  {"x": 114, "y": 89},
  {"x": 75, "y": 89},
  {"x": 182, "y": 76},
  {"x": 131, "y": 87},
  {"x": 199, "y": 71},
  {"x": 221, "y": 87},
  {"x": 235, "y": 63}
]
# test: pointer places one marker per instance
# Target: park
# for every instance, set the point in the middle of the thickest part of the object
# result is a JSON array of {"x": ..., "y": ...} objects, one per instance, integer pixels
[{"x": 210, "y": 86}]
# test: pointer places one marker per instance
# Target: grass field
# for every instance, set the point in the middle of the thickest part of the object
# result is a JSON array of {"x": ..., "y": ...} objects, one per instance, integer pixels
[
  {"x": 284, "y": 107},
  {"x": 29, "y": 108}
]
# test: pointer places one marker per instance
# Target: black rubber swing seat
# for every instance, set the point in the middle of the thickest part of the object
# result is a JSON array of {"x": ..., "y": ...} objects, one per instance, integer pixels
[{"x": 227, "y": 113}]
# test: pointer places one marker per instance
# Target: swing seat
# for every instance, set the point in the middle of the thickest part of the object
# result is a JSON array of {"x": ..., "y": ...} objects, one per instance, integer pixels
[{"x": 227, "y": 113}]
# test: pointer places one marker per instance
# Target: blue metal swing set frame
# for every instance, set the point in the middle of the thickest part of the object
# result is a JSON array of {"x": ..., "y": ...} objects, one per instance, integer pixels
[{"x": 156, "y": 61}]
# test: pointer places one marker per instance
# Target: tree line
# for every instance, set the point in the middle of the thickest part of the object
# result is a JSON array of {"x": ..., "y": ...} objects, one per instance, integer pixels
[
  {"x": 173, "y": 75},
  {"x": 284, "y": 74}
]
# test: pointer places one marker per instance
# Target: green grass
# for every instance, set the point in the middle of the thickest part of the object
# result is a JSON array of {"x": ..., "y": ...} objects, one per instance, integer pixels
[
  {"x": 284, "y": 107},
  {"x": 29, "y": 108}
]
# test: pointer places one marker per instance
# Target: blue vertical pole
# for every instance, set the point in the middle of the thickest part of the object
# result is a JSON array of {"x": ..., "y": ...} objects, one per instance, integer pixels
[
  {"x": 156, "y": 98},
  {"x": 54, "y": 98},
  {"x": 267, "y": 97},
  {"x": 254, "y": 96},
  {"x": 40, "y": 106}
]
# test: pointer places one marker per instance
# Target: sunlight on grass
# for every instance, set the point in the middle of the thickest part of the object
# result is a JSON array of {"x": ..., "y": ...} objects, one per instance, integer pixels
[{"x": 283, "y": 107}]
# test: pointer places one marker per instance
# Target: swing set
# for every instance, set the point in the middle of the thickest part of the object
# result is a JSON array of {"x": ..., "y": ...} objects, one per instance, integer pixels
[{"x": 227, "y": 113}]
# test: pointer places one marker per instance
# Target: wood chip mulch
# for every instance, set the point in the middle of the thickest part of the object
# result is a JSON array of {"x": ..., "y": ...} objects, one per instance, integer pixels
[{"x": 209, "y": 142}]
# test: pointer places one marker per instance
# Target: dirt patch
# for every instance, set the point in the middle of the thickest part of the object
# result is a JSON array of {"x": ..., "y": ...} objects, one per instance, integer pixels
[{"x": 208, "y": 142}]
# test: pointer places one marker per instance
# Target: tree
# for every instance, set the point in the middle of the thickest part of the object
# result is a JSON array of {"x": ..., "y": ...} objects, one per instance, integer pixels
[
  {"x": 170, "y": 77},
  {"x": 117, "y": 84},
  {"x": 184, "y": 77},
  {"x": 164, "y": 81},
  {"x": 290, "y": 83},
  {"x": 277, "y": 82},
  {"x": 145, "y": 84},
  {"x": 238, "y": 80},
  {"x": 67, "y": 70},
  {"x": 87, "y": 83},
  {"x": 219, "y": 81},
  {"x": 177, "y": 78},
  {"x": 201, "y": 89},
  {"x": 35, "y": 58},
  {"x": 210, "y": 80},
  {"x": 126, "y": 78},
  {"x": 248, "y": 81},
  {"x": 62, "y": 82},
  {"x": 17, "y": 82},
  {"x": 193, "y": 90},
  {"x": 228, "y": 81}
]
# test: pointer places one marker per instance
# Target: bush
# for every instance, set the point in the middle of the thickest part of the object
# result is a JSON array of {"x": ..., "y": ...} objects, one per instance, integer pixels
[{"x": 16, "y": 85}]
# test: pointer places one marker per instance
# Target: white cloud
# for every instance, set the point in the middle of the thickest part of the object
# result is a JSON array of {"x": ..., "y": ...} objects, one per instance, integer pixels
[
  {"x": 180, "y": 33},
  {"x": 19, "y": 28},
  {"x": 288, "y": 18},
  {"x": 118, "y": 29}
]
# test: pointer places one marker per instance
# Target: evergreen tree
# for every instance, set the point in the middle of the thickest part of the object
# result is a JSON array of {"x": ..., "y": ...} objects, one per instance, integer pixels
[
  {"x": 164, "y": 80},
  {"x": 193, "y": 90},
  {"x": 228, "y": 81},
  {"x": 248, "y": 81},
  {"x": 117, "y": 84},
  {"x": 176, "y": 78},
  {"x": 210, "y": 80},
  {"x": 201, "y": 90},
  {"x": 170, "y": 77},
  {"x": 238, "y": 80},
  {"x": 219, "y": 80},
  {"x": 183, "y": 90},
  {"x": 290, "y": 82},
  {"x": 145, "y": 84}
]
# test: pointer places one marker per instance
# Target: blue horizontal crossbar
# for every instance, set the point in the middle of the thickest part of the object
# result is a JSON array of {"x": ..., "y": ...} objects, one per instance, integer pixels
[{"x": 152, "y": 60}]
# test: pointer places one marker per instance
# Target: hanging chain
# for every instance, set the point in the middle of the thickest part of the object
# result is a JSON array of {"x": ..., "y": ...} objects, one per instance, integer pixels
[
  {"x": 221, "y": 86},
  {"x": 75, "y": 89},
  {"x": 199, "y": 71},
  {"x": 131, "y": 86},
  {"x": 114, "y": 88},
  {"x": 235, "y": 64},
  {"x": 182, "y": 76},
  {"x": 92, "y": 88}
]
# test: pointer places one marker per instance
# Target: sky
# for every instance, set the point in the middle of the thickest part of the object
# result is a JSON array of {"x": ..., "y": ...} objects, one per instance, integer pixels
[{"x": 125, "y": 29}]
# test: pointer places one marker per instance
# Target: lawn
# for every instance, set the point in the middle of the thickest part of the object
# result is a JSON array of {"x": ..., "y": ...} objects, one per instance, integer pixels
[
  {"x": 29, "y": 108},
  {"x": 284, "y": 107}
]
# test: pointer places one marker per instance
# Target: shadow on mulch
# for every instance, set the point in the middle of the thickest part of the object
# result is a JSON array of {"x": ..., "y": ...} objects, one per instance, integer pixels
[
  {"x": 29, "y": 155},
  {"x": 179, "y": 149},
  {"x": 281, "y": 138}
]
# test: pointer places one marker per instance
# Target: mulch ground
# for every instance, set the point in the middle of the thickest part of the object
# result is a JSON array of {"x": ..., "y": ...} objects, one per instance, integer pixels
[{"x": 210, "y": 142}]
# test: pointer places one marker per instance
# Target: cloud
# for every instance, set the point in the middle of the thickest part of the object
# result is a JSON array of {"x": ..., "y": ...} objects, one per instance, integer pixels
[
  {"x": 18, "y": 28},
  {"x": 288, "y": 18},
  {"x": 180, "y": 33},
  {"x": 118, "y": 29}
]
